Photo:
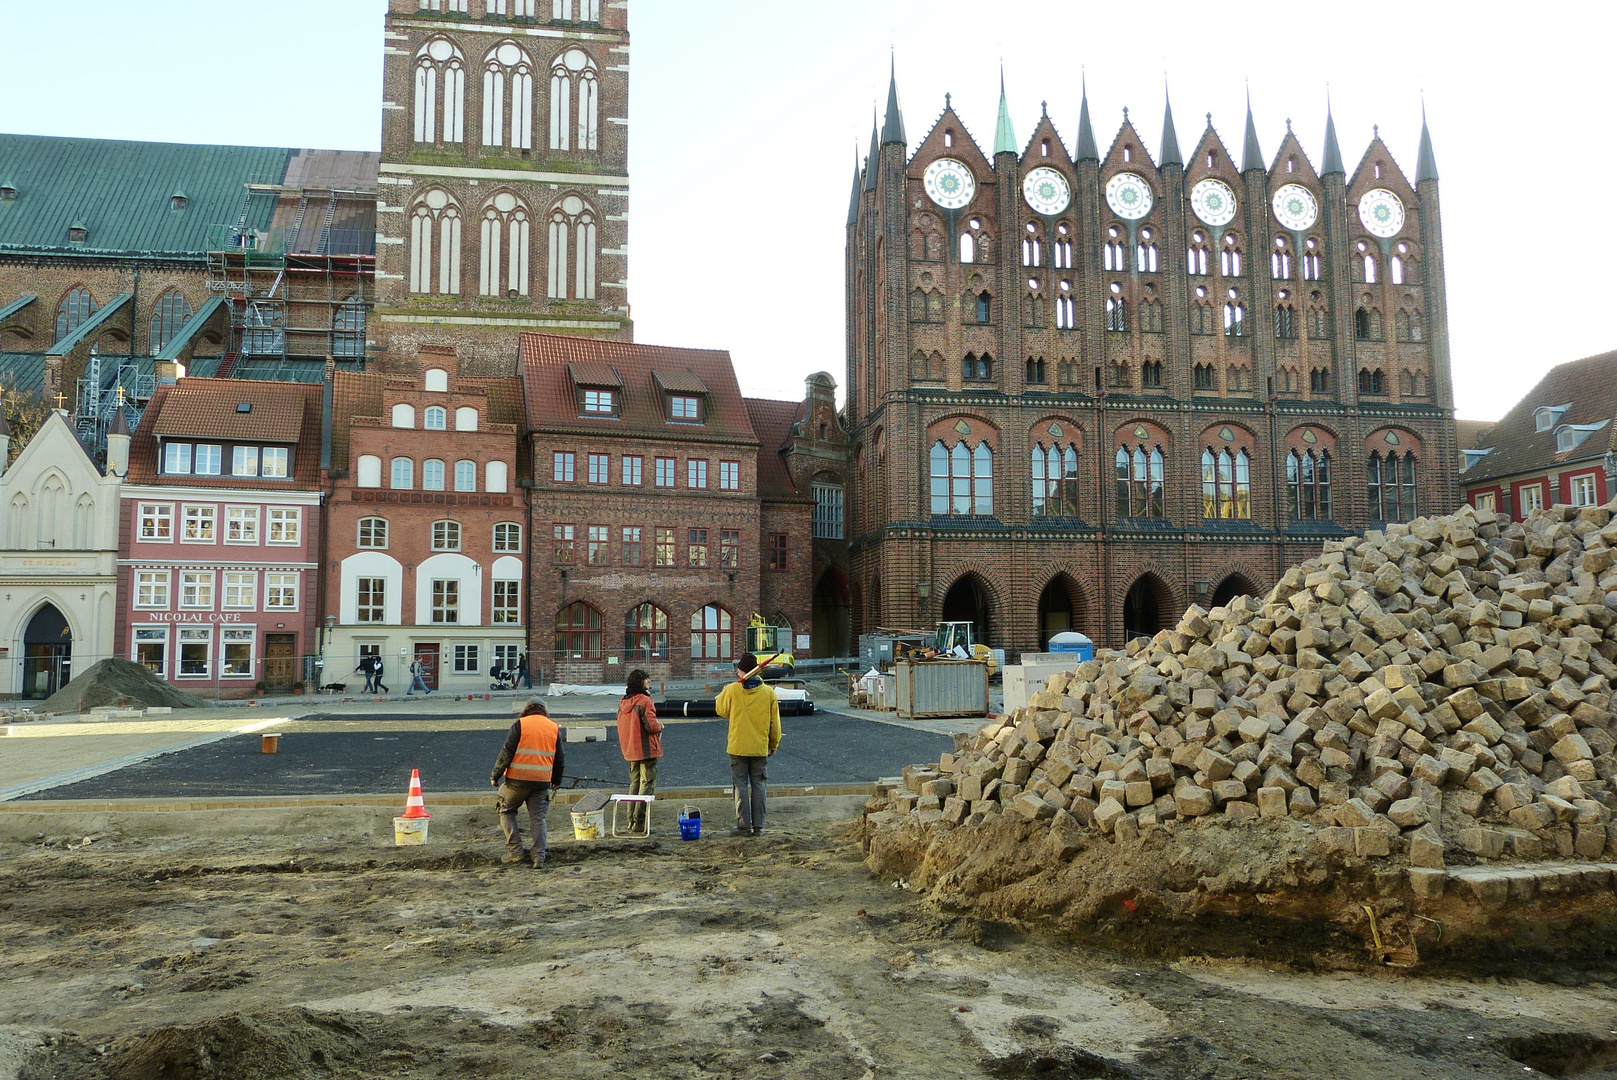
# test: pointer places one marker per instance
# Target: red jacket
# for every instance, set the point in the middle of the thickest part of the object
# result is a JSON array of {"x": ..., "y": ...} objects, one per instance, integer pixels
[{"x": 631, "y": 711}]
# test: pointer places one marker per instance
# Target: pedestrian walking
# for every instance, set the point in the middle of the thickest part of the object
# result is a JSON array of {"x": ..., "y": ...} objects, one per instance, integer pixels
[
  {"x": 418, "y": 677},
  {"x": 369, "y": 669},
  {"x": 376, "y": 670},
  {"x": 522, "y": 671},
  {"x": 754, "y": 715},
  {"x": 641, "y": 742},
  {"x": 529, "y": 768}
]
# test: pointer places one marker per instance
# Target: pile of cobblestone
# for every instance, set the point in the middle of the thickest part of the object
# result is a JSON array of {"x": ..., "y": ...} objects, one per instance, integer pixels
[{"x": 1435, "y": 688}]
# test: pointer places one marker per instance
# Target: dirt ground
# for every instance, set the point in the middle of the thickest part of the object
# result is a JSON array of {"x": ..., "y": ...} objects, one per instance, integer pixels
[{"x": 270, "y": 944}]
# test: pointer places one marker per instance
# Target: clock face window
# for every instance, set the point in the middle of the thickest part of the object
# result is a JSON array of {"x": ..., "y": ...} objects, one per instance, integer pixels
[
  {"x": 949, "y": 183},
  {"x": 1046, "y": 191},
  {"x": 1129, "y": 196},
  {"x": 1213, "y": 202},
  {"x": 1295, "y": 207},
  {"x": 1381, "y": 213}
]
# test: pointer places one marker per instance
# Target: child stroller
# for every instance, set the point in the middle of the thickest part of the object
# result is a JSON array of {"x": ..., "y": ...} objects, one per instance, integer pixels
[{"x": 503, "y": 679}]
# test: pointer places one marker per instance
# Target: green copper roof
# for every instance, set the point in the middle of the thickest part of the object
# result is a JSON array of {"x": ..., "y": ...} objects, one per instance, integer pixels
[
  {"x": 1426, "y": 165},
  {"x": 853, "y": 200},
  {"x": 1251, "y": 156},
  {"x": 1170, "y": 139},
  {"x": 121, "y": 193},
  {"x": 89, "y": 326},
  {"x": 1087, "y": 151},
  {"x": 1332, "y": 162},
  {"x": 1004, "y": 134},
  {"x": 892, "y": 129},
  {"x": 873, "y": 162},
  {"x": 192, "y": 327},
  {"x": 8, "y": 310}
]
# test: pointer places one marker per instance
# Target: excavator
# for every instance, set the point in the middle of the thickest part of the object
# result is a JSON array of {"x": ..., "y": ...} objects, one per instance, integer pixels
[{"x": 772, "y": 645}]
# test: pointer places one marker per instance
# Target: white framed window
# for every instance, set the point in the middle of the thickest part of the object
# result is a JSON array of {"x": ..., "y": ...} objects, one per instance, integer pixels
[
  {"x": 466, "y": 415},
  {"x": 402, "y": 416},
  {"x": 280, "y": 592},
  {"x": 600, "y": 402},
  {"x": 196, "y": 645},
  {"x": 241, "y": 590},
  {"x": 600, "y": 468},
  {"x": 508, "y": 537},
  {"x": 1582, "y": 490},
  {"x": 177, "y": 458},
  {"x": 828, "y": 511},
  {"x": 236, "y": 653},
  {"x": 1531, "y": 498},
  {"x": 665, "y": 471},
  {"x": 372, "y": 605},
  {"x": 244, "y": 461},
  {"x": 369, "y": 473},
  {"x": 1483, "y": 500},
  {"x": 729, "y": 476},
  {"x": 466, "y": 660},
  {"x": 197, "y": 524},
  {"x": 634, "y": 471},
  {"x": 436, "y": 419},
  {"x": 403, "y": 478},
  {"x": 156, "y": 523},
  {"x": 446, "y": 536},
  {"x": 684, "y": 408},
  {"x": 507, "y": 601},
  {"x": 373, "y": 532},
  {"x": 465, "y": 475},
  {"x": 562, "y": 465},
  {"x": 285, "y": 525},
  {"x": 151, "y": 649},
  {"x": 445, "y": 601},
  {"x": 209, "y": 459},
  {"x": 507, "y": 656},
  {"x": 494, "y": 477},
  {"x": 241, "y": 524},
  {"x": 435, "y": 381},
  {"x": 274, "y": 462},
  {"x": 151, "y": 588},
  {"x": 432, "y": 475},
  {"x": 196, "y": 589},
  {"x": 695, "y": 473}
]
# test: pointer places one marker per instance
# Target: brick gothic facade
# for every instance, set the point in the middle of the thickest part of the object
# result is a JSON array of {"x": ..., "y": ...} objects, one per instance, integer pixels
[
  {"x": 1114, "y": 321},
  {"x": 504, "y": 191}
]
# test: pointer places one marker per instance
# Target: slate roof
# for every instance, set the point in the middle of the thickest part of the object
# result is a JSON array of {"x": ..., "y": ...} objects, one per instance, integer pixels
[
  {"x": 121, "y": 192},
  {"x": 1590, "y": 385},
  {"x": 279, "y": 399},
  {"x": 773, "y": 421},
  {"x": 207, "y": 409},
  {"x": 553, "y": 403}
]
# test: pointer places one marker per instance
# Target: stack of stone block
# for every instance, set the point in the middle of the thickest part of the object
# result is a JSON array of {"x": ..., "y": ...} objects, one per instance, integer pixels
[{"x": 1435, "y": 687}]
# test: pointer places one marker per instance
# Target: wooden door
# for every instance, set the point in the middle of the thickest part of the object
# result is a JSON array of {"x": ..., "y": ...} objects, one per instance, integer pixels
[
  {"x": 280, "y": 661},
  {"x": 426, "y": 654}
]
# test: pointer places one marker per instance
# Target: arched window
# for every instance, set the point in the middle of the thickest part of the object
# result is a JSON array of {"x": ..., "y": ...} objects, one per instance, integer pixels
[
  {"x": 435, "y": 418},
  {"x": 1369, "y": 269},
  {"x": 984, "y": 307},
  {"x": 1391, "y": 482},
  {"x": 1395, "y": 270},
  {"x": 435, "y": 381},
  {"x": 168, "y": 316},
  {"x": 1372, "y": 381},
  {"x": 574, "y": 78},
  {"x": 75, "y": 307},
  {"x": 645, "y": 633},
  {"x": 1319, "y": 380},
  {"x": 710, "y": 634},
  {"x": 1151, "y": 317},
  {"x": 1204, "y": 377},
  {"x": 1151, "y": 375},
  {"x": 466, "y": 418},
  {"x": 1229, "y": 257},
  {"x": 432, "y": 475},
  {"x": 465, "y": 475},
  {"x": 968, "y": 248},
  {"x": 1113, "y": 251},
  {"x": 1117, "y": 309},
  {"x": 373, "y": 532},
  {"x": 1035, "y": 370},
  {"x": 1139, "y": 481},
  {"x": 1280, "y": 260},
  {"x": 1055, "y": 481},
  {"x": 494, "y": 477},
  {"x": 435, "y": 237},
  {"x": 505, "y": 222},
  {"x": 1066, "y": 310},
  {"x": 1234, "y": 316},
  {"x": 1308, "y": 484},
  {"x": 572, "y": 222},
  {"x": 1062, "y": 249},
  {"x": 1145, "y": 253},
  {"x": 1285, "y": 323},
  {"x": 348, "y": 328},
  {"x": 962, "y": 479},
  {"x": 1196, "y": 254},
  {"x": 369, "y": 473},
  {"x": 403, "y": 416},
  {"x": 508, "y": 66},
  {"x": 403, "y": 477},
  {"x": 1226, "y": 485},
  {"x": 1408, "y": 325},
  {"x": 974, "y": 368},
  {"x": 1311, "y": 259},
  {"x": 578, "y": 632},
  {"x": 1032, "y": 247},
  {"x": 440, "y": 70}
]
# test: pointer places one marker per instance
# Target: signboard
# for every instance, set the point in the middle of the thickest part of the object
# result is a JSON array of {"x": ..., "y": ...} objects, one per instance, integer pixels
[{"x": 802, "y": 643}]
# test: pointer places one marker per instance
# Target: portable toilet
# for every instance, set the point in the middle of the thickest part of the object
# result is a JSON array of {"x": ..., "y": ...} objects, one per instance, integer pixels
[{"x": 1073, "y": 642}]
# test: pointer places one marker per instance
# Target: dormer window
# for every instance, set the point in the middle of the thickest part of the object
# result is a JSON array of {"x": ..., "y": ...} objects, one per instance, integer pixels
[
  {"x": 178, "y": 200},
  {"x": 685, "y": 408},
  {"x": 77, "y": 233},
  {"x": 1469, "y": 458},
  {"x": 1570, "y": 436},
  {"x": 600, "y": 402},
  {"x": 8, "y": 191},
  {"x": 1546, "y": 417}
]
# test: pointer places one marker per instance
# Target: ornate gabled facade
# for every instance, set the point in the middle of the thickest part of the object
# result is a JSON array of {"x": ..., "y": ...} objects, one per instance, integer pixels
[{"x": 1097, "y": 387}]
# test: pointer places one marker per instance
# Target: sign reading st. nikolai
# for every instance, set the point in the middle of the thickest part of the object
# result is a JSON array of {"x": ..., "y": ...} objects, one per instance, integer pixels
[{"x": 194, "y": 616}]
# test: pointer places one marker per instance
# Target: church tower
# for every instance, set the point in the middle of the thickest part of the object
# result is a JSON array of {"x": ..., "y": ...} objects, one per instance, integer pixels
[{"x": 504, "y": 187}]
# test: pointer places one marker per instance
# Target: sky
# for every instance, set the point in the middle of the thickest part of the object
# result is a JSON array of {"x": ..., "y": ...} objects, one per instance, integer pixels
[{"x": 745, "y": 119}]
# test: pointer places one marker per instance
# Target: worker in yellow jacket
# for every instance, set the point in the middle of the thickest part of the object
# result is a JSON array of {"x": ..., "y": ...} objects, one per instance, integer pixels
[{"x": 754, "y": 715}]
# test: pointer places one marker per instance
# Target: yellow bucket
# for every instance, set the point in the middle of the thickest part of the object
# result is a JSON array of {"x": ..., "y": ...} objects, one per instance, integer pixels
[
  {"x": 408, "y": 831},
  {"x": 590, "y": 825}
]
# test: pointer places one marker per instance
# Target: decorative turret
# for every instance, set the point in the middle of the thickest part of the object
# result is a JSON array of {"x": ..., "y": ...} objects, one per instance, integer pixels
[
  {"x": 1426, "y": 166},
  {"x": 118, "y": 442},
  {"x": 1251, "y": 156},
  {"x": 1004, "y": 134},
  {"x": 875, "y": 155},
  {"x": 1087, "y": 150},
  {"x": 853, "y": 199},
  {"x": 892, "y": 129},
  {"x": 1332, "y": 162},
  {"x": 1170, "y": 139}
]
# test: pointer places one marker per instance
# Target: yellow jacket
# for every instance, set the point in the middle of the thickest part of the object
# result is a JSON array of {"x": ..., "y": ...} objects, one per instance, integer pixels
[{"x": 754, "y": 715}]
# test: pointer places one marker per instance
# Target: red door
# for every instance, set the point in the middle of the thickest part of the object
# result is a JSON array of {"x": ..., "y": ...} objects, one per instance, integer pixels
[{"x": 427, "y": 656}]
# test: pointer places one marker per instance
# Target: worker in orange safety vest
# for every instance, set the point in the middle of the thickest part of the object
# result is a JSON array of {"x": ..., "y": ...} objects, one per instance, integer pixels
[{"x": 528, "y": 770}]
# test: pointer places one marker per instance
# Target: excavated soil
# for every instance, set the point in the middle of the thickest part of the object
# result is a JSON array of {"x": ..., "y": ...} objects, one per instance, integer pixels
[
  {"x": 116, "y": 682},
  {"x": 269, "y": 945}
]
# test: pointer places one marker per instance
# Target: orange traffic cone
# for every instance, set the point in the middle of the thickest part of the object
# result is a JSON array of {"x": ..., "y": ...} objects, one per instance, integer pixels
[{"x": 414, "y": 806}]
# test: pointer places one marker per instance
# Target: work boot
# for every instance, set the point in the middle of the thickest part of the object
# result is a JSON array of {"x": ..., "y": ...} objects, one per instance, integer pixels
[
  {"x": 539, "y": 860},
  {"x": 515, "y": 857},
  {"x": 740, "y": 830}
]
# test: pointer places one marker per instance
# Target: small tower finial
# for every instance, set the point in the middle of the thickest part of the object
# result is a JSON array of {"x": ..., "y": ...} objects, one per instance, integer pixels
[
  {"x": 946, "y": 100},
  {"x": 1125, "y": 114},
  {"x": 1375, "y": 130}
]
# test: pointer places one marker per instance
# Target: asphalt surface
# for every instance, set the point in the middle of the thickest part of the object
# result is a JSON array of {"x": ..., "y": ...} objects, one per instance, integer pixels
[{"x": 825, "y": 748}]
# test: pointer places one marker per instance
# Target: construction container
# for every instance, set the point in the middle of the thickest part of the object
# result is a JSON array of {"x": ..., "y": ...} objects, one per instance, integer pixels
[
  {"x": 939, "y": 688},
  {"x": 876, "y": 650}
]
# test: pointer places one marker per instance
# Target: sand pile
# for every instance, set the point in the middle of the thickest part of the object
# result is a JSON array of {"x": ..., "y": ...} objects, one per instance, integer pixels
[{"x": 117, "y": 682}]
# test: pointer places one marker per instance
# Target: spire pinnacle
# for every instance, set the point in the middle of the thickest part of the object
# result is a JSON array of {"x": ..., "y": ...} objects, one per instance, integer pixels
[
  {"x": 1251, "y": 156},
  {"x": 1332, "y": 162},
  {"x": 1087, "y": 151},
  {"x": 1426, "y": 167},
  {"x": 1004, "y": 134},
  {"x": 874, "y": 159},
  {"x": 1170, "y": 139},
  {"x": 853, "y": 200},
  {"x": 892, "y": 129}
]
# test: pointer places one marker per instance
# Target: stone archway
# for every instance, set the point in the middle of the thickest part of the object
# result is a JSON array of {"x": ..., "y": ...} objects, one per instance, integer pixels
[
  {"x": 47, "y": 653},
  {"x": 1060, "y": 606},
  {"x": 1145, "y": 608},
  {"x": 832, "y": 625},
  {"x": 968, "y": 600},
  {"x": 1233, "y": 585}
]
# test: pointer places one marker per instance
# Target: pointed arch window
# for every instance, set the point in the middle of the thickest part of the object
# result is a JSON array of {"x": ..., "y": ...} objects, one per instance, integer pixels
[
  {"x": 1229, "y": 257},
  {"x": 1151, "y": 375},
  {"x": 1367, "y": 324},
  {"x": 1369, "y": 269},
  {"x": 75, "y": 307},
  {"x": 645, "y": 633},
  {"x": 435, "y": 241},
  {"x": 1151, "y": 317},
  {"x": 1145, "y": 253},
  {"x": 974, "y": 368},
  {"x": 1113, "y": 252},
  {"x": 1280, "y": 260},
  {"x": 1117, "y": 309},
  {"x": 574, "y": 101},
  {"x": 1285, "y": 321},
  {"x": 572, "y": 229},
  {"x": 1032, "y": 247},
  {"x": 1391, "y": 487},
  {"x": 1372, "y": 381},
  {"x": 1226, "y": 485},
  {"x": 1205, "y": 377},
  {"x": 1139, "y": 481},
  {"x": 1310, "y": 259},
  {"x": 1035, "y": 371},
  {"x": 1066, "y": 310},
  {"x": 1308, "y": 485},
  {"x": 1234, "y": 316},
  {"x": 168, "y": 316},
  {"x": 1055, "y": 480},
  {"x": 578, "y": 632},
  {"x": 1319, "y": 380},
  {"x": 508, "y": 97},
  {"x": 711, "y": 635},
  {"x": 505, "y": 224},
  {"x": 1408, "y": 325},
  {"x": 1196, "y": 254},
  {"x": 348, "y": 328},
  {"x": 962, "y": 479},
  {"x": 440, "y": 92},
  {"x": 1062, "y": 248}
]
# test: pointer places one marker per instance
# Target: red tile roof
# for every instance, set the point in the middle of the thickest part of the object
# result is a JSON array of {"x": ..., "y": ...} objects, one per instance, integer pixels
[
  {"x": 594, "y": 375},
  {"x": 1472, "y": 434},
  {"x": 356, "y": 394},
  {"x": 553, "y": 403},
  {"x": 1588, "y": 388},
  {"x": 188, "y": 408},
  {"x": 773, "y": 421}
]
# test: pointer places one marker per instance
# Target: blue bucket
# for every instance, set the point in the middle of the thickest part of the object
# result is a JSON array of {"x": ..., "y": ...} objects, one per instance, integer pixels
[{"x": 690, "y": 823}]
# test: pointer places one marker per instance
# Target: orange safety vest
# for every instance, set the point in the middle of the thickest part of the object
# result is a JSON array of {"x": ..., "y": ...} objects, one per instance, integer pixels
[{"x": 536, "y": 751}]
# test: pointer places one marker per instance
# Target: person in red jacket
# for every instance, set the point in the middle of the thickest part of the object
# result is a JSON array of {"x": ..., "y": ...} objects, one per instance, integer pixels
[{"x": 640, "y": 739}]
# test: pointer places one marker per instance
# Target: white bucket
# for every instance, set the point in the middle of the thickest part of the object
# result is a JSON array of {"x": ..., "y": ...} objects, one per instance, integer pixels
[
  {"x": 589, "y": 826},
  {"x": 408, "y": 831}
]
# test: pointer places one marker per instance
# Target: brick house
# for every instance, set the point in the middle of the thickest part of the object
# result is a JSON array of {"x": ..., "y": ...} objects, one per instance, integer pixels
[
  {"x": 1557, "y": 445},
  {"x": 426, "y": 555},
  {"x": 219, "y": 529},
  {"x": 1086, "y": 388}
]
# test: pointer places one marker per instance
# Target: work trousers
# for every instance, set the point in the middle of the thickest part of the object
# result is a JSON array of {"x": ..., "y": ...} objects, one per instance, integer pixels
[
  {"x": 642, "y": 781},
  {"x": 748, "y": 775},
  {"x": 511, "y": 797}
]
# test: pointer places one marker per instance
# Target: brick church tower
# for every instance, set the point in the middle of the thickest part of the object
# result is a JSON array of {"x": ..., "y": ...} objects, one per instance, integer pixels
[
  {"x": 1087, "y": 388},
  {"x": 504, "y": 186}
]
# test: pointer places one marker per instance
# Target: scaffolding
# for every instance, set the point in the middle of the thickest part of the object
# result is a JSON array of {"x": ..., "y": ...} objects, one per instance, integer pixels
[{"x": 107, "y": 383}]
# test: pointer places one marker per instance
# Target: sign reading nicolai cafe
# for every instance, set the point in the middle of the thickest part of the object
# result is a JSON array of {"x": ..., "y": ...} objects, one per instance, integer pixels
[{"x": 193, "y": 616}]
